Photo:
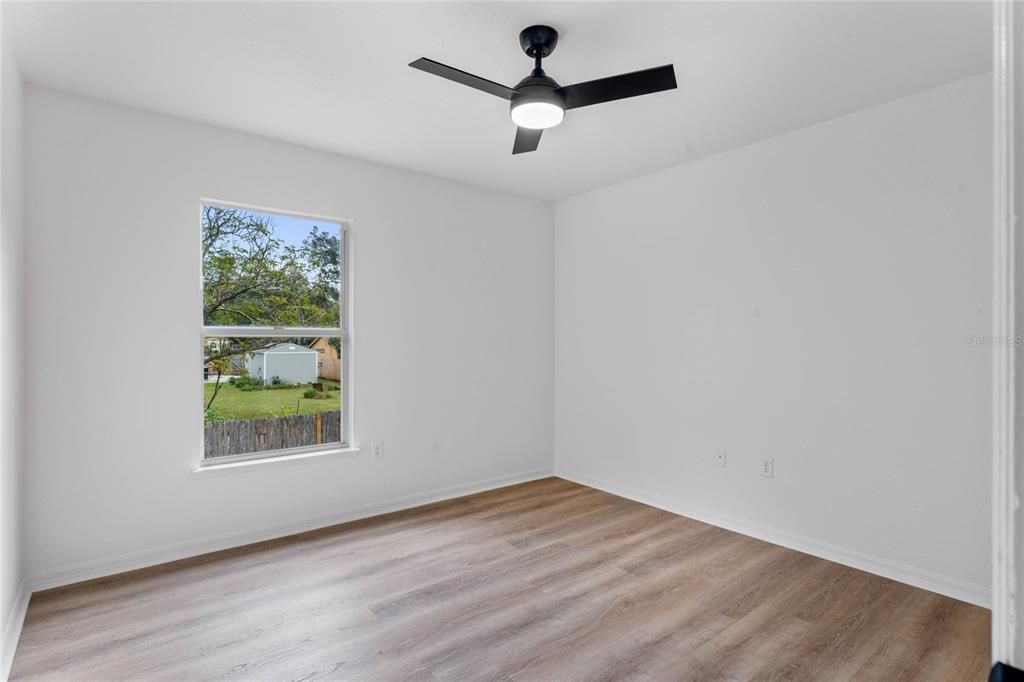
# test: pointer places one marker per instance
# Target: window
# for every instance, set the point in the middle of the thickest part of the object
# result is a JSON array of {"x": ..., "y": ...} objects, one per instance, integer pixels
[{"x": 274, "y": 334}]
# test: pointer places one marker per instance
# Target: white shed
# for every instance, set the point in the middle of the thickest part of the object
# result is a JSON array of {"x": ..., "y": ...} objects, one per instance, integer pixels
[{"x": 291, "y": 363}]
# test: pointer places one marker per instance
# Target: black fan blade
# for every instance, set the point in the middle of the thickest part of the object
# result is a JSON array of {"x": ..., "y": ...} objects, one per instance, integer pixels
[
  {"x": 453, "y": 74},
  {"x": 527, "y": 140},
  {"x": 619, "y": 87}
]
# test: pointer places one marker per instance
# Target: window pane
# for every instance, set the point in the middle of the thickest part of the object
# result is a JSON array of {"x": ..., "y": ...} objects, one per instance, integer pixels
[
  {"x": 271, "y": 394},
  {"x": 271, "y": 270}
]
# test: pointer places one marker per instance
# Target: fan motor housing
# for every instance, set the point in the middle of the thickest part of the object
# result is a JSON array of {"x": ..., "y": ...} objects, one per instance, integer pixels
[{"x": 537, "y": 88}]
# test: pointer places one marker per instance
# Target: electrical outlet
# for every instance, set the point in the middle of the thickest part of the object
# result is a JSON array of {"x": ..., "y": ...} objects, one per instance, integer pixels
[
  {"x": 768, "y": 467},
  {"x": 378, "y": 449},
  {"x": 720, "y": 457}
]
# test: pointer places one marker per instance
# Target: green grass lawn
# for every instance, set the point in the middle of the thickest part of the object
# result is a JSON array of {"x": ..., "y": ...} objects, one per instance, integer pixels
[{"x": 232, "y": 403}]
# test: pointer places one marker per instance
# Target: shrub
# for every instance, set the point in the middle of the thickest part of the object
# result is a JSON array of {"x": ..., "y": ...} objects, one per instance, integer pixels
[
  {"x": 280, "y": 385},
  {"x": 313, "y": 394},
  {"x": 212, "y": 414}
]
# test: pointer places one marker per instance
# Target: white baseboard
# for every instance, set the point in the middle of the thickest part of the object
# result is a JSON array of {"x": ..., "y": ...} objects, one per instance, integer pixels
[
  {"x": 99, "y": 568},
  {"x": 911, "y": 575},
  {"x": 12, "y": 630}
]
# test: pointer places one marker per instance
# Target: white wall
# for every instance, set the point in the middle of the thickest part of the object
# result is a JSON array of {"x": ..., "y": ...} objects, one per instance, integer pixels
[
  {"x": 12, "y": 594},
  {"x": 807, "y": 298},
  {"x": 453, "y": 336}
]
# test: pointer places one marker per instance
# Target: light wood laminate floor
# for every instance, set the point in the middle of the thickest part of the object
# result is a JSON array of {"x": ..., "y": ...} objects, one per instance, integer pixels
[{"x": 547, "y": 580}]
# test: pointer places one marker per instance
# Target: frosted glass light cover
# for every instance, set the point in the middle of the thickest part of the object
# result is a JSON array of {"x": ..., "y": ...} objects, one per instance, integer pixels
[{"x": 537, "y": 115}]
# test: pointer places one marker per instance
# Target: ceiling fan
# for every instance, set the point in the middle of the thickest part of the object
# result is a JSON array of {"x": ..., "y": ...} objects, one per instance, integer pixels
[{"x": 538, "y": 102}]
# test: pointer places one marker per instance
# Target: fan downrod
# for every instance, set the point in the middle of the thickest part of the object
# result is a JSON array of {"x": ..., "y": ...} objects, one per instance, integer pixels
[{"x": 538, "y": 41}]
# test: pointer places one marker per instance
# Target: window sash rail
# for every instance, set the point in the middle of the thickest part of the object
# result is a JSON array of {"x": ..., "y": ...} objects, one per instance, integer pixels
[{"x": 251, "y": 332}]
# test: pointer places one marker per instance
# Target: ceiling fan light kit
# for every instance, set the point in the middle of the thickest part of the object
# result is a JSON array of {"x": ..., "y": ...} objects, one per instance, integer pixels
[
  {"x": 537, "y": 115},
  {"x": 538, "y": 102}
]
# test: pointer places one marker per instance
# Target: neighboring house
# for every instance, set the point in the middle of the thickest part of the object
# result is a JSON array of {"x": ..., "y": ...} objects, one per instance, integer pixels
[
  {"x": 236, "y": 363},
  {"x": 329, "y": 363},
  {"x": 288, "y": 362},
  {"x": 324, "y": 347}
]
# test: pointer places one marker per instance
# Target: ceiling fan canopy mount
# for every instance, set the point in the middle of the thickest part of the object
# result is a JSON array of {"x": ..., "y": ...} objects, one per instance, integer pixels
[{"x": 538, "y": 41}]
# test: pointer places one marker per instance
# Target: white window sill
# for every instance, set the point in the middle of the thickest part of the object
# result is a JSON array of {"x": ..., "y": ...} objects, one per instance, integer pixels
[{"x": 281, "y": 460}]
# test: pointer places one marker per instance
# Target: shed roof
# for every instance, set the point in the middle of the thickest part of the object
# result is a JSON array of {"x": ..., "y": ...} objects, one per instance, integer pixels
[{"x": 285, "y": 348}]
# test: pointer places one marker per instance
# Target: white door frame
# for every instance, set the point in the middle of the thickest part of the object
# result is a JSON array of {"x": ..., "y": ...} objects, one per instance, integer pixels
[{"x": 1005, "y": 500}]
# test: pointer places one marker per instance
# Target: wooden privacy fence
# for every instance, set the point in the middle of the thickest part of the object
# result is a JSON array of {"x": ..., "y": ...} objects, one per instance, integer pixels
[
  {"x": 330, "y": 368},
  {"x": 242, "y": 436}
]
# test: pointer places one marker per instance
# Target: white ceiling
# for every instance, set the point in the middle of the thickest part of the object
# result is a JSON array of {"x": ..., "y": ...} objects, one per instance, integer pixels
[{"x": 334, "y": 76}]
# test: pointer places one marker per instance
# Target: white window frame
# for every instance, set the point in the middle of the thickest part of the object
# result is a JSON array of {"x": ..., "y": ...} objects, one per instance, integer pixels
[{"x": 343, "y": 332}]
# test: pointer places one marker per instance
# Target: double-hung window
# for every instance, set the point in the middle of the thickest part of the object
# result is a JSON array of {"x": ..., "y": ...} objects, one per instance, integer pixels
[{"x": 275, "y": 340}]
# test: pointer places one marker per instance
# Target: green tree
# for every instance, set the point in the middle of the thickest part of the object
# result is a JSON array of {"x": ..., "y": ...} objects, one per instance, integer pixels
[{"x": 252, "y": 278}]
